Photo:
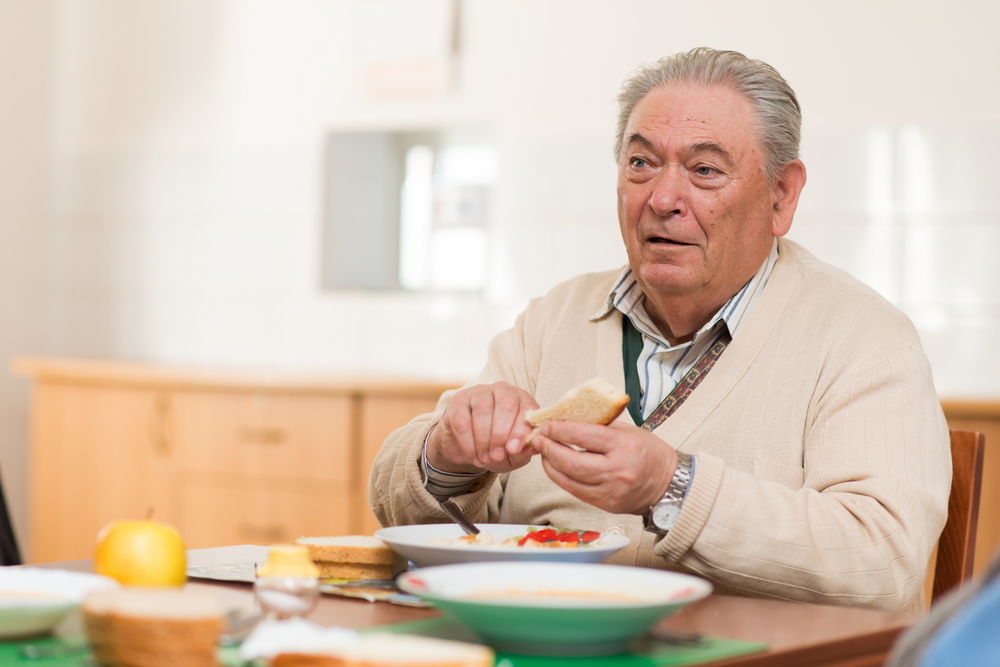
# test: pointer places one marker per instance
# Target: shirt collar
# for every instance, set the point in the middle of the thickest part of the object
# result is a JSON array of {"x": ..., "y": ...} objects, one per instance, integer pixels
[{"x": 627, "y": 296}]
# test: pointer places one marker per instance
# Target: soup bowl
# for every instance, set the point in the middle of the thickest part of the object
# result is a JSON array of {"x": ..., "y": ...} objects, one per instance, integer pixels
[{"x": 565, "y": 609}]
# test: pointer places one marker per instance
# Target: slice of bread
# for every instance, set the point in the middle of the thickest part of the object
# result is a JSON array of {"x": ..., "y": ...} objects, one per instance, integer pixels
[
  {"x": 328, "y": 570},
  {"x": 153, "y": 627},
  {"x": 349, "y": 549},
  {"x": 382, "y": 649},
  {"x": 595, "y": 401}
]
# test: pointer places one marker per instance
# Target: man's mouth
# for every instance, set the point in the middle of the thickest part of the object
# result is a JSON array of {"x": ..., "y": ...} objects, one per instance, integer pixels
[{"x": 660, "y": 239}]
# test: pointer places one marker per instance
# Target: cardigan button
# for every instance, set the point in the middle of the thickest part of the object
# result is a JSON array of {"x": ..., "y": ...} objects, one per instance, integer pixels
[{"x": 617, "y": 530}]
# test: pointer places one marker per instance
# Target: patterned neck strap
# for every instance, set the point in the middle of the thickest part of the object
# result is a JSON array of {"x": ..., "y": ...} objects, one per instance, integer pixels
[{"x": 632, "y": 347}]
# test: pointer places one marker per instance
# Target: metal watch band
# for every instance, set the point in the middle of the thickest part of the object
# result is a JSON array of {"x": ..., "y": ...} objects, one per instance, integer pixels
[{"x": 672, "y": 498}]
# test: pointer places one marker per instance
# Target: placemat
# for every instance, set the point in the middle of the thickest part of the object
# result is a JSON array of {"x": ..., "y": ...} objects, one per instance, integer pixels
[
  {"x": 78, "y": 655},
  {"x": 657, "y": 654}
]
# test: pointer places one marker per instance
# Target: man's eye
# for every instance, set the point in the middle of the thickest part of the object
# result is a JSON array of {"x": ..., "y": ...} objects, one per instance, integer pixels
[
  {"x": 705, "y": 171},
  {"x": 638, "y": 162}
]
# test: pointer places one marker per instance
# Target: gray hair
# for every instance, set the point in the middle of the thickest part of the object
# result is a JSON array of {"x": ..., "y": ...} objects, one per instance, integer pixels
[{"x": 779, "y": 118}]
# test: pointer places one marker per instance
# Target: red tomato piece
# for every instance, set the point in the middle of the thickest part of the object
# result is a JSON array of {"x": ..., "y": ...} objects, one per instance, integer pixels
[
  {"x": 546, "y": 535},
  {"x": 569, "y": 536},
  {"x": 590, "y": 536}
]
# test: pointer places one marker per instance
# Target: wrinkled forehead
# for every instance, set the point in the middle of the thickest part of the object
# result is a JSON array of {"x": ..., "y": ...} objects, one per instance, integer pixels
[{"x": 696, "y": 111}]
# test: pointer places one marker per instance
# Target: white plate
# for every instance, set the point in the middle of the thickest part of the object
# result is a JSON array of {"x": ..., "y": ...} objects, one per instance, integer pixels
[
  {"x": 411, "y": 542},
  {"x": 33, "y": 600},
  {"x": 555, "y": 608}
]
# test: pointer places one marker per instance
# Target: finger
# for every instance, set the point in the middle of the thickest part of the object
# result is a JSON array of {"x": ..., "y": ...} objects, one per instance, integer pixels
[
  {"x": 456, "y": 440},
  {"x": 521, "y": 430},
  {"x": 592, "y": 437},
  {"x": 584, "y": 492},
  {"x": 481, "y": 406},
  {"x": 521, "y": 459},
  {"x": 585, "y": 467},
  {"x": 506, "y": 408},
  {"x": 516, "y": 445}
]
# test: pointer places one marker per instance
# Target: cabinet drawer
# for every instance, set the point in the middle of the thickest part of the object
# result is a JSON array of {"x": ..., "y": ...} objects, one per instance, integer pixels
[
  {"x": 261, "y": 435},
  {"x": 214, "y": 515}
]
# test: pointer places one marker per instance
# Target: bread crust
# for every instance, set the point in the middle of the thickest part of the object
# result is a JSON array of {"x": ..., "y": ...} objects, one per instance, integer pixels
[
  {"x": 333, "y": 552},
  {"x": 593, "y": 402},
  {"x": 354, "y": 570},
  {"x": 130, "y": 628}
]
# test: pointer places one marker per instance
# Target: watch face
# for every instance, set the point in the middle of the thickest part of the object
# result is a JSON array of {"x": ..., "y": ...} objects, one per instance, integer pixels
[{"x": 665, "y": 514}]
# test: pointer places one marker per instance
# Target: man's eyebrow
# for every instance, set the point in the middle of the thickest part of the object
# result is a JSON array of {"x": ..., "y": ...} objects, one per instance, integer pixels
[
  {"x": 637, "y": 138},
  {"x": 711, "y": 147},
  {"x": 700, "y": 147}
]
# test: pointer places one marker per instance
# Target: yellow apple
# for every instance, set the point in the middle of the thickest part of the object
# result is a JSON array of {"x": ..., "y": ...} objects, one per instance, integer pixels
[{"x": 141, "y": 553}]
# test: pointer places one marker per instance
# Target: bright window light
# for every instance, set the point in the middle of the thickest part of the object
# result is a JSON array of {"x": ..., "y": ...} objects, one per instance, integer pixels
[{"x": 444, "y": 216}]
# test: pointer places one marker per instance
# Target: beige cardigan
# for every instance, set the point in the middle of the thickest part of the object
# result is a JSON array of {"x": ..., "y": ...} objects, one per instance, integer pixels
[{"x": 823, "y": 459}]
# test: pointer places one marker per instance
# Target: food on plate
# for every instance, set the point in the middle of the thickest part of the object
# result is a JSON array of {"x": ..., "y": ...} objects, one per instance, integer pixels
[
  {"x": 578, "y": 597},
  {"x": 595, "y": 401},
  {"x": 153, "y": 626},
  {"x": 549, "y": 538},
  {"x": 352, "y": 557},
  {"x": 391, "y": 650},
  {"x": 288, "y": 560},
  {"x": 141, "y": 553}
]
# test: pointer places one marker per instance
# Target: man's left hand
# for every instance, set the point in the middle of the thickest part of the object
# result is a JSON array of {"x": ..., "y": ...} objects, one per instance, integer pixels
[{"x": 624, "y": 470}]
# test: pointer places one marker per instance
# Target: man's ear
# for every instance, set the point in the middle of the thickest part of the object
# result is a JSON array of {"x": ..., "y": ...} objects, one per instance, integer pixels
[{"x": 786, "y": 189}]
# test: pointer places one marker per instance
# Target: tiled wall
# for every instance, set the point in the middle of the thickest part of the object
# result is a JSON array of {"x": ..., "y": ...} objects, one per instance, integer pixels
[
  {"x": 914, "y": 211},
  {"x": 178, "y": 147}
]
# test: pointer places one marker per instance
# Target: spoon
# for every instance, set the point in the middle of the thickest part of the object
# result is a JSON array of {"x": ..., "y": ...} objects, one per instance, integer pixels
[{"x": 459, "y": 518}]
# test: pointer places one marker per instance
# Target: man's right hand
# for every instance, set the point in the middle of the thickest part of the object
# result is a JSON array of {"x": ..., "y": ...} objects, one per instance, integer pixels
[{"x": 479, "y": 429}]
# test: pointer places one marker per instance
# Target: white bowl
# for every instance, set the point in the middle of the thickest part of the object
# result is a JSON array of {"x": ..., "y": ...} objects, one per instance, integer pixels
[
  {"x": 568, "y": 609},
  {"x": 412, "y": 542},
  {"x": 33, "y": 600}
]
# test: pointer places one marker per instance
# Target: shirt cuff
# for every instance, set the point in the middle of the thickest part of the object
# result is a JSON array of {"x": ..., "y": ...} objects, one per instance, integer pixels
[{"x": 443, "y": 485}]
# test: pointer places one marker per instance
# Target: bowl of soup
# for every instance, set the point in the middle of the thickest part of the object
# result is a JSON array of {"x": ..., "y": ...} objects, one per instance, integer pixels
[
  {"x": 560, "y": 609},
  {"x": 34, "y": 600}
]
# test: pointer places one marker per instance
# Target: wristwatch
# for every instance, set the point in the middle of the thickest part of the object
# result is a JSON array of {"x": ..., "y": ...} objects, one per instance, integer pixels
[{"x": 660, "y": 518}]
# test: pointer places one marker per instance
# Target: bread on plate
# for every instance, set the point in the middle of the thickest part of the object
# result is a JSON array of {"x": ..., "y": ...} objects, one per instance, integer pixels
[
  {"x": 153, "y": 627},
  {"x": 383, "y": 649},
  {"x": 351, "y": 556}
]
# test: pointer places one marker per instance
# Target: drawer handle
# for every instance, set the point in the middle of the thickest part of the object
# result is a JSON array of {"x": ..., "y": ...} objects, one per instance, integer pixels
[
  {"x": 264, "y": 436},
  {"x": 161, "y": 426},
  {"x": 256, "y": 533}
]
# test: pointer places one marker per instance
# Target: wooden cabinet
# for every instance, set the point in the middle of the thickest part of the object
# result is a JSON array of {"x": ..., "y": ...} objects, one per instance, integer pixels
[{"x": 227, "y": 458}]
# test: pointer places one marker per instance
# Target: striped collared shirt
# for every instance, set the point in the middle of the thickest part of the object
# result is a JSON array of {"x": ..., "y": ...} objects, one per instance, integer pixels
[{"x": 661, "y": 366}]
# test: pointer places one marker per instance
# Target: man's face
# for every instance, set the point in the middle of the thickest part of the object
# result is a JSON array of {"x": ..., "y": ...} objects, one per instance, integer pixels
[{"x": 694, "y": 204}]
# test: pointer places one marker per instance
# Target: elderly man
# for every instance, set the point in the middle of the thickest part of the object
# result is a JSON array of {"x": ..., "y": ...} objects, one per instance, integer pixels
[{"x": 783, "y": 439}]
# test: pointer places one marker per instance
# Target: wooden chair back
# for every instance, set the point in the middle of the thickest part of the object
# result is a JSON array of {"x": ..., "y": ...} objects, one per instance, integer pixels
[{"x": 957, "y": 544}]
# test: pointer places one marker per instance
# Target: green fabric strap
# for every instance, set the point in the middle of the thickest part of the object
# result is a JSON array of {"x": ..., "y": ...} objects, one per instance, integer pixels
[{"x": 631, "y": 348}]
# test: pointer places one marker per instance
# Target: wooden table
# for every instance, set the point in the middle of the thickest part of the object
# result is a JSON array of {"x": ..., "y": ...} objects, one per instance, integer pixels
[{"x": 799, "y": 635}]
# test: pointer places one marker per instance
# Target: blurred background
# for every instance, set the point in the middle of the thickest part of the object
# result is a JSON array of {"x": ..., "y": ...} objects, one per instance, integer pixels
[{"x": 377, "y": 187}]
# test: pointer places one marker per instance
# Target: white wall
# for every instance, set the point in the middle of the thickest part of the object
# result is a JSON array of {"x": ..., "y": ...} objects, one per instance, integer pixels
[
  {"x": 24, "y": 45},
  {"x": 171, "y": 207}
]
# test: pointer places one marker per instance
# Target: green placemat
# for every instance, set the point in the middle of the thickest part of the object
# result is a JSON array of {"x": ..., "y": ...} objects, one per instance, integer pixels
[
  {"x": 657, "y": 655},
  {"x": 11, "y": 656}
]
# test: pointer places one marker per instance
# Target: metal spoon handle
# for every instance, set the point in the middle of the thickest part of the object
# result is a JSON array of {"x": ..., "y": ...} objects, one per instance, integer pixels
[{"x": 459, "y": 518}]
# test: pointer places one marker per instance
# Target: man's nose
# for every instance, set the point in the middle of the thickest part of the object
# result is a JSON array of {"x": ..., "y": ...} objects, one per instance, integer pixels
[{"x": 668, "y": 198}]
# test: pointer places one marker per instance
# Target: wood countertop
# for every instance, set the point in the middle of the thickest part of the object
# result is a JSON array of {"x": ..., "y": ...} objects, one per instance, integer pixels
[{"x": 94, "y": 371}]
